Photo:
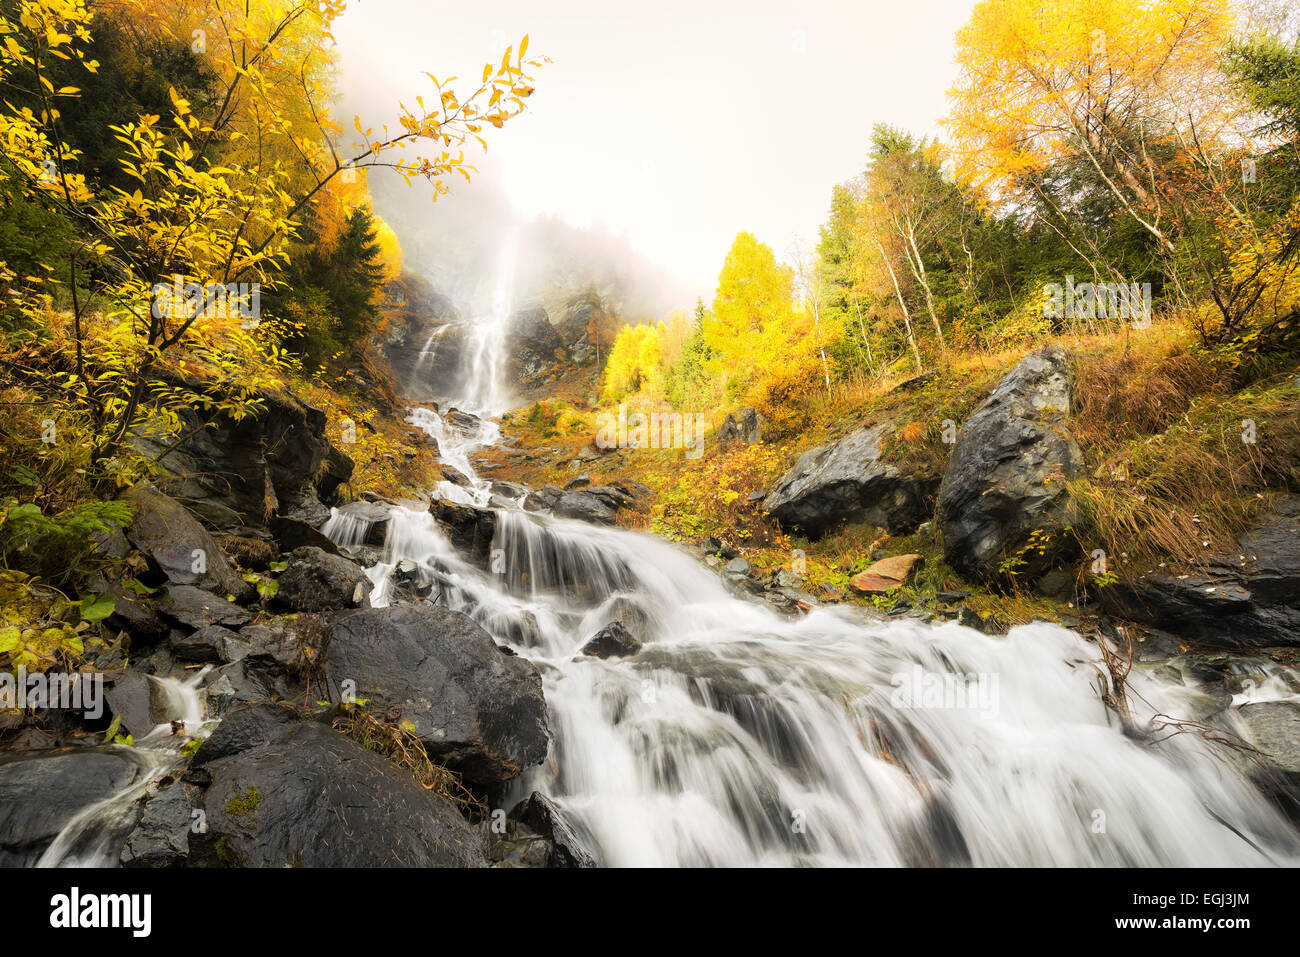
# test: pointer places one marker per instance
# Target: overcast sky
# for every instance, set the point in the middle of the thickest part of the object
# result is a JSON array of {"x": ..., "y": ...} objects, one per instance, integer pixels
[{"x": 675, "y": 122}]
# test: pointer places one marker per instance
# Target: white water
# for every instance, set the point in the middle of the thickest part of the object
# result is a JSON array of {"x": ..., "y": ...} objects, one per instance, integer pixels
[
  {"x": 93, "y": 838},
  {"x": 740, "y": 737}
]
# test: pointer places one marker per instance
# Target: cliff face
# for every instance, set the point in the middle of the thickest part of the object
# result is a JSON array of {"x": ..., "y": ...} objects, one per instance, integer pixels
[
  {"x": 423, "y": 340},
  {"x": 430, "y": 343}
]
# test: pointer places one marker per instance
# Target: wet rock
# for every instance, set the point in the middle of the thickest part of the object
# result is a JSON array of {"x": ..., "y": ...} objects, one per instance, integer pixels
[
  {"x": 367, "y": 556},
  {"x": 586, "y": 505},
  {"x": 470, "y": 529},
  {"x": 1006, "y": 478},
  {"x": 426, "y": 340},
  {"x": 317, "y": 581},
  {"x": 161, "y": 836},
  {"x": 176, "y": 546},
  {"x": 254, "y": 678},
  {"x": 210, "y": 646},
  {"x": 42, "y": 791},
  {"x": 479, "y": 710},
  {"x": 846, "y": 481},
  {"x": 565, "y": 848},
  {"x": 509, "y": 489},
  {"x": 138, "y": 701},
  {"x": 1274, "y": 728},
  {"x": 219, "y": 695},
  {"x": 612, "y": 641},
  {"x": 633, "y": 615},
  {"x": 291, "y": 533},
  {"x": 453, "y": 475},
  {"x": 196, "y": 608},
  {"x": 884, "y": 576},
  {"x": 467, "y": 425},
  {"x": 290, "y": 792},
  {"x": 543, "y": 499}
]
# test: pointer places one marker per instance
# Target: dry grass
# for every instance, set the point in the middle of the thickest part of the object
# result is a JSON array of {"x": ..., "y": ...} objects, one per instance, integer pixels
[
  {"x": 388, "y": 736},
  {"x": 1186, "y": 492},
  {"x": 1120, "y": 398}
]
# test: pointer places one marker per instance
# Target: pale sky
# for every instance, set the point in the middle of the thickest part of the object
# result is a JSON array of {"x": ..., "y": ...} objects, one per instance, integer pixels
[{"x": 677, "y": 123}]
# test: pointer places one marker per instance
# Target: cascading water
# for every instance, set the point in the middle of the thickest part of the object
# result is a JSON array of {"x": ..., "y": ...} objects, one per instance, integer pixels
[
  {"x": 94, "y": 836},
  {"x": 737, "y": 736},
  {"x": 486, "y": 391}
]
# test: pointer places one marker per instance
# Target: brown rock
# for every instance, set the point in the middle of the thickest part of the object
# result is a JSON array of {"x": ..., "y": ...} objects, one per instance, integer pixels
[{"x": 886, "y": 575}]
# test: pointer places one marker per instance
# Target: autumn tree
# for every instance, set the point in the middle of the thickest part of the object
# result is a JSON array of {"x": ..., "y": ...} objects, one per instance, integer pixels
[
  {"x": 1039, "y": 81},
  {"x": 217, "y": 194},
  {"x": 755, "y": 295}
]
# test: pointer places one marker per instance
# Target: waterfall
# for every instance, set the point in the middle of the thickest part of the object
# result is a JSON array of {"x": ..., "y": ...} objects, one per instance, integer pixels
[
  {"x": 486, "y": 389},
  {"x": 738, "y": 736},
  {"x": 346, "y": 528},
  {"x": 479, "y": 384},
  {"x": 93, "y": 838}
]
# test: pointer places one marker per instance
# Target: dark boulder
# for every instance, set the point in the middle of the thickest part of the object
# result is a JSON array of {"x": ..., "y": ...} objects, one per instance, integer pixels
[
  {"x": 479, "y": 710},
  {"x": 1005, "y": 481},
  {"x": 317, "y": 581},
  {"x": 211, "y": 646},
  {"x": 585, "y": 505},
  {"x": 537, "y": 834},
  {"x": 612, "y": 641},
  {"x": 470, "y": 529},
  {"x": 196, "y": 608},
  {"x": 138, "y": 700},
  {"x": 288, "y": 792},
  {"x": 291, "y": 533},
  {"x": 236, "y": 472},
  {"x": 176, "y": 546},
  {"x": 543, "y": 499},
  {"x": 846, "y": 481},
  {"x": 161, "y": 836}
]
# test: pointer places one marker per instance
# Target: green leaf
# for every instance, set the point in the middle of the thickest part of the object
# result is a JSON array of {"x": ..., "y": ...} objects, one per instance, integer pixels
[{"x": 97, "y": 607}]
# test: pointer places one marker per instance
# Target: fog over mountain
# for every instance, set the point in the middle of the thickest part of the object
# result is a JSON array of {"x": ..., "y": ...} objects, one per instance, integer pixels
[{"x": 466, "y": 241}]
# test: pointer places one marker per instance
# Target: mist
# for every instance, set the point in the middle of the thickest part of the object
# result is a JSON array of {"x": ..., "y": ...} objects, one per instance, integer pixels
[{"x": 656, "y": 134}]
